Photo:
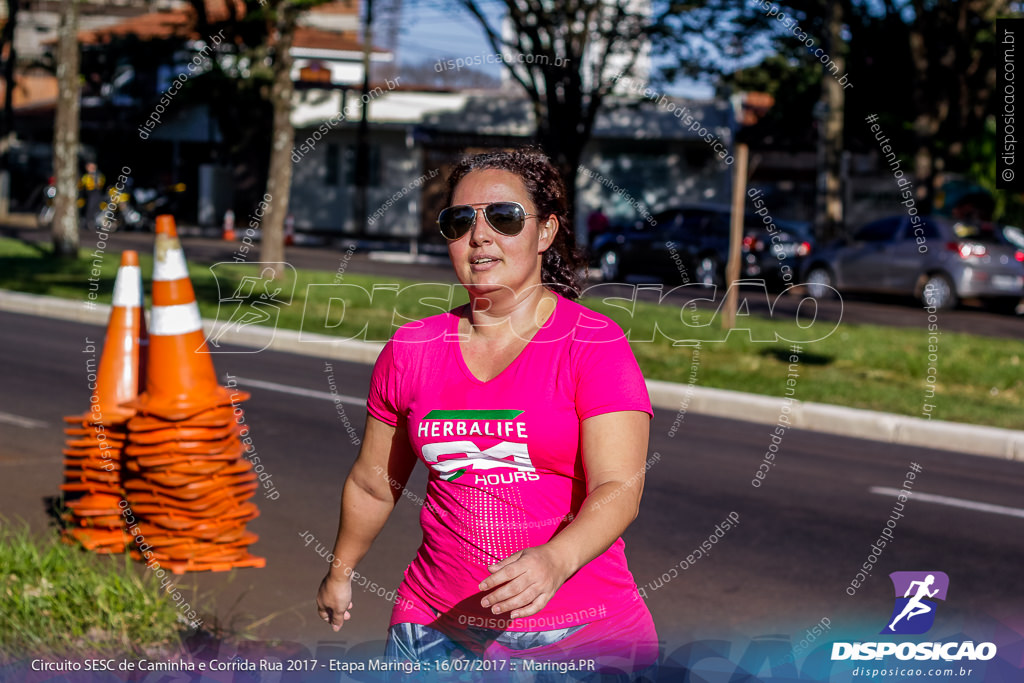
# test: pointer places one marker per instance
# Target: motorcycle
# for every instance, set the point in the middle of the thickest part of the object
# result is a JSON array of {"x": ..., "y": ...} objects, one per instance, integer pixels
[
  {"x": 152, "y": 202},
  {"x": 118, "y": 212},
  {"x": 130, "y": 210},
  {"x": 45, "y": 215}
]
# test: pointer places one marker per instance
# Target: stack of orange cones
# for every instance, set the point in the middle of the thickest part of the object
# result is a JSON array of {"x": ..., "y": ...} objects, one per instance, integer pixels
[
  {"x": 185, "y": 475},
  {"x": 94, "y": 448}
]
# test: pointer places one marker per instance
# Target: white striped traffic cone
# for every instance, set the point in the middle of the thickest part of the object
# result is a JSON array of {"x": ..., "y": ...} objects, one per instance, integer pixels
[
  {"x": 94, "y": 448},
  {"x": 121, "y": 366},
  {"x": 180, "y": 378}
]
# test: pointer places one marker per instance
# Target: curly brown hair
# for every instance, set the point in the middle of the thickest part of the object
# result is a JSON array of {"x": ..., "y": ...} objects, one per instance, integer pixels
[{"x": 544, "y": 185}]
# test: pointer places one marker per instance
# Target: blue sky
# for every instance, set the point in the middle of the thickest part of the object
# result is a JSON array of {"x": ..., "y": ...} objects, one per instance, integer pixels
[
  {"x": 436, "y": 29},
  {"x": 433, "y": 29}
]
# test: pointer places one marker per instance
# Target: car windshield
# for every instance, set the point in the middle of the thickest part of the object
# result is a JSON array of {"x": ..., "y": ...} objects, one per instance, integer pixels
[
  {"x": 988, "y": 233},
  {"x": 786, "y": 230},
  {"x": 1014, "y": 235},
  {"x": 884, "y": 230},
  {"x": 799, "y": 231}
]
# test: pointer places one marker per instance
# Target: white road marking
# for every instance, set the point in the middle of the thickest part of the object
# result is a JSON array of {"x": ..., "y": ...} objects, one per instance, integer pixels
[
  {"x": 951, "y": 502},
  {"x": 26, "y": 422},
  {"x": 299, "y": 391}
]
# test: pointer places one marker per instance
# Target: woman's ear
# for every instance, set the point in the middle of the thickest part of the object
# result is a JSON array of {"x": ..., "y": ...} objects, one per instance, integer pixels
[{"x": 548, "y": 230}]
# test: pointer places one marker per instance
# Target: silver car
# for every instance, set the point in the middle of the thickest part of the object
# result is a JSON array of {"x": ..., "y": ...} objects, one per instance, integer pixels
[{"x": 936, "y": 259}]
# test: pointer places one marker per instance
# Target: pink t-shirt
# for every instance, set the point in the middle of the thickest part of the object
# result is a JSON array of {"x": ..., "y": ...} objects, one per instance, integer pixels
[{"x": 505, "y": 468}]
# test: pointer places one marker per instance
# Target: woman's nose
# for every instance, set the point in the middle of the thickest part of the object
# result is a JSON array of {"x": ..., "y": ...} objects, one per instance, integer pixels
[{"x": 481, "y": 230}]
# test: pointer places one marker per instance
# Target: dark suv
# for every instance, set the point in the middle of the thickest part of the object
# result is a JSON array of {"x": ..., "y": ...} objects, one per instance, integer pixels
[{"x": 691, "y": 244}]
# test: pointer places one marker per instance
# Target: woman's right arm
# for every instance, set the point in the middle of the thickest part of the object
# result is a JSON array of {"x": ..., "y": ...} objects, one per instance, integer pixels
[{"x": 371, "y": 490}]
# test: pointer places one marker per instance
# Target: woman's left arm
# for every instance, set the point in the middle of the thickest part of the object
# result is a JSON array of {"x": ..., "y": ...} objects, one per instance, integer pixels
[{"x": 614, "y": 454}]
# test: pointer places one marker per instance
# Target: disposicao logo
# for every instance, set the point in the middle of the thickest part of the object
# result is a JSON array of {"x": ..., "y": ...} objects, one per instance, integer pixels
[
  {"x": 916, "y": 592},
  {"x": 913, "y": 614}
]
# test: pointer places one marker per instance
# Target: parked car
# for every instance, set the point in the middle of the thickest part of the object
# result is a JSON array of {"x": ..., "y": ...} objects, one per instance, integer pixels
[
  {"x": 692, "y": 243},
  {"x": 1014, "y": 236},
  {"x": 765, "y": 252},
  {"x": 938, "y": 260}
]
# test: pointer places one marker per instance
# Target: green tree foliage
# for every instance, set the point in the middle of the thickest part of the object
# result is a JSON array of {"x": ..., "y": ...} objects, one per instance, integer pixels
[
  {"x": 572, "y": 50},
  {"x": 795, "y": 87},
  {"x": 925, "y": 67}
]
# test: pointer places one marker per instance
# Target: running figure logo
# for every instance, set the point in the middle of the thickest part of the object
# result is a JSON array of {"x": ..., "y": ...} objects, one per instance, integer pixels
[
  {"x": 915, "y": 592},
  {"x": 249, "y": 301}
]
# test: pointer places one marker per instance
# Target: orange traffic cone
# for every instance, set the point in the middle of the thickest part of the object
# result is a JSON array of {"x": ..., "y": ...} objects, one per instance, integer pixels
[
  {"x": 289, "y": 230},
  {"x": 185, "y": 476},
  {"x": 180, "y": 381},
  {"x": 228, "y": 233},
  {"x": 215, "y": 418},
  {"x": 121, "y": 367},
  {"x": 95, "y": 444}
]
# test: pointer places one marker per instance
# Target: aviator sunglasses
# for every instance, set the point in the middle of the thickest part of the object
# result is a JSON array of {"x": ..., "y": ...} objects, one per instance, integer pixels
[{"x": 508, "y": 218}]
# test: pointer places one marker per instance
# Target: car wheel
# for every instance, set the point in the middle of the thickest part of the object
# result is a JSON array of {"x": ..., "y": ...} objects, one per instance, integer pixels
[
  {"x": 707, "y": 272},
  {"x": 611, "y": 269},
  {"x": 132, "y": 219},
  {"x": 819, "y": 283},
  {"x": 938, "y": 292}
]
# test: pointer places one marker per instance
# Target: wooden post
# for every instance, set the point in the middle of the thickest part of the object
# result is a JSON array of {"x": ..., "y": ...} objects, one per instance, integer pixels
[{"x": 732, "y": 269}]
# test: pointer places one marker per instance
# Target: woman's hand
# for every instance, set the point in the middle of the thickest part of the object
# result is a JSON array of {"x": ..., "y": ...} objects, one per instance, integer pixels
[
  {"x": 526, "y": 581},
  {"x": 331, "y": 599}
]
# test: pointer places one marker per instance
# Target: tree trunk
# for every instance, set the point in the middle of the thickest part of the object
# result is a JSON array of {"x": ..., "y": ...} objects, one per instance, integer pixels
[
  {"x": 279, "y": 175},
  {"x": 65, "y": 134},
  {"x": 836, "y": 102},
  {"x": 7, "y": 135},
  {"x": 924, "y": 162},
  {"x": 564, "y": 126},
  {"x": 928, "y": 120},
  {"x": 360, "y": 204},
  {"x": 565, "y": 148},
  {"x": 7, "y": 125},
  {"x": 564, "y": 103}
]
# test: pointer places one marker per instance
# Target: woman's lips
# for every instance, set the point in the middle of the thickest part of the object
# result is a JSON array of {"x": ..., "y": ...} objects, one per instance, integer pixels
[{"x": 483, "y": 263}]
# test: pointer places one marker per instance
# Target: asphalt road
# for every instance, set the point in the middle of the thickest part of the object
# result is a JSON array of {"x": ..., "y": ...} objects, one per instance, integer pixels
[
  {"x": 972, "y": 318},
  {"x": 801, "y": 537}
]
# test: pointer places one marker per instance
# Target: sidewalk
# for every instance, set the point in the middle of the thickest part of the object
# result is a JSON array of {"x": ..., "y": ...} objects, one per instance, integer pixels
[
  {"x": 21, "y": 221},
  {"x": 680, "y": 398}
]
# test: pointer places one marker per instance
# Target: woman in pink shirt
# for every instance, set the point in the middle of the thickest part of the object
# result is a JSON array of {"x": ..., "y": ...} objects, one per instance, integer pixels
[{"x": 531, "y": 414}]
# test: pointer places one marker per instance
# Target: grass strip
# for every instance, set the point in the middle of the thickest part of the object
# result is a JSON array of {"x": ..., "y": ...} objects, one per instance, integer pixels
[
  {"x": 979, "y": 380},
  {"x": 59, "y": 600}
]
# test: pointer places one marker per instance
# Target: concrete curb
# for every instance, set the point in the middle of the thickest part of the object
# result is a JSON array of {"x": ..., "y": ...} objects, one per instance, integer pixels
[
  {"x": 256, "y": 337},
  {"x": 830, "y": 419},
  {"x": 406, "y": 257},
  {"x": 682, "y": 398}
]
